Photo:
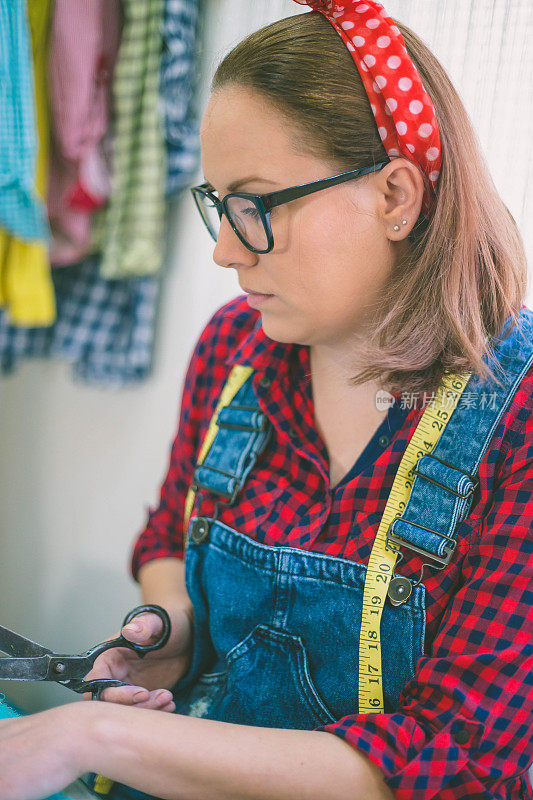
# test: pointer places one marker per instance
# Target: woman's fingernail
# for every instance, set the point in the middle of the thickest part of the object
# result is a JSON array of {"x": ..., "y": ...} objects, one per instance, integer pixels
[
  {"x": 134, "y": 627},
  {"x": 138, "y": 696}
]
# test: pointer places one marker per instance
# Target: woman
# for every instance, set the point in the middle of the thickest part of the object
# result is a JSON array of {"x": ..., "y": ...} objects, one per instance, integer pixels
[{"x": 360, "y": 292}]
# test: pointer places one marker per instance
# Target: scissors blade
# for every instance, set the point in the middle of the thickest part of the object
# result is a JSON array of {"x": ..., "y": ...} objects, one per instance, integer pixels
[
  {"x": 24, "y": 669},
  {"x": 13, "y": 644}
]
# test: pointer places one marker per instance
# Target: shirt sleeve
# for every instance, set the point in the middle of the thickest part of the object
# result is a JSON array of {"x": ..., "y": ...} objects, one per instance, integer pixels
[
  {"x": 162, "y": 535},
  {"x": 464, "y": 727}
]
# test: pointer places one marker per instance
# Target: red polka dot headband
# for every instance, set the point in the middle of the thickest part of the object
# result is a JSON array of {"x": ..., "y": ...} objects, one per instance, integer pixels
[{"x": 403, "y": 111}]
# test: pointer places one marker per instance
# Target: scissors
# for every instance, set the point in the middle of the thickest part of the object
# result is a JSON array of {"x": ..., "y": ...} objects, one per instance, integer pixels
[{"x": 28, "y": 661}]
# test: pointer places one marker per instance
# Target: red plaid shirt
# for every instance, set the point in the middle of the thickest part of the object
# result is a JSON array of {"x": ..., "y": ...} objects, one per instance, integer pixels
[{"x": 478, "y": 665}]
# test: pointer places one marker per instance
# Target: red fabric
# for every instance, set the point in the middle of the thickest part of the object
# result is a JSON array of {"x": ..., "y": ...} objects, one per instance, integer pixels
[
  {"x": 82, "y": 199},
  {"x": 402, "y": 108},
  {"x": 477, "y": 669}
]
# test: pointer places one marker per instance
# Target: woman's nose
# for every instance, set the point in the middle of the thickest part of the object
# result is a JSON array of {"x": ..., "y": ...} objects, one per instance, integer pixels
[{"x": 229, "y": 250}]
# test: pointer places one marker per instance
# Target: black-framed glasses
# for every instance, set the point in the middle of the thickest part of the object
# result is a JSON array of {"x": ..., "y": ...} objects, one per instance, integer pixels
[{"x": 249, "y": 214}]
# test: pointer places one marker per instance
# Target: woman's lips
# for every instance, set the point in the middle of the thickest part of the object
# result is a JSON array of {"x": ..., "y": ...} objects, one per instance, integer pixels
[{"x": 256, "y": 300}]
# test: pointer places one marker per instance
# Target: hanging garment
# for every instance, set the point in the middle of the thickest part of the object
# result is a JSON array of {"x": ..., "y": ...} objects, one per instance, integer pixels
[
  {"x": 26, "y": 287},
  {"x": 179, "y": 85},
  {"x": 84, "y": 41},
  {"x": 297, "y": 551},
  {"x": 130, "y": 231},
  {"x": 105, "y": 328},
  {"x": 22, "y": 212}
]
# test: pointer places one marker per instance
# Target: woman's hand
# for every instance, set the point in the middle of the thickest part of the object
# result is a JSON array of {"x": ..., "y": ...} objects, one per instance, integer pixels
[
  {"x": 153, "y": 675},
  {"x": 39, "y": 754}
]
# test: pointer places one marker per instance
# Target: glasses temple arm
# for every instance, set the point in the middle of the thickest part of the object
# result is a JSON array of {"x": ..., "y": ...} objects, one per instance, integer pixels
[{"x": 286, "y": 195}]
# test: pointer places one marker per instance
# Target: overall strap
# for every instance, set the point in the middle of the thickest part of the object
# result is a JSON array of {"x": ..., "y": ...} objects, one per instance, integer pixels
[
  {"x": 445, "y": 479},
  {"x": 237, "y": 434}
]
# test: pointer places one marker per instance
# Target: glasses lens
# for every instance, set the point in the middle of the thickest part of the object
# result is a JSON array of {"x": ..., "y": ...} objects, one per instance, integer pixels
[
  {"x": 208, "y": 212},
  {"x": 244, "y": 214},
  {"x": 248, "y": 221}
]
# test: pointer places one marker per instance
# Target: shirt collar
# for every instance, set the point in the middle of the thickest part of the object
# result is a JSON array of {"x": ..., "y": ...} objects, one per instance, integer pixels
[{"x": 269, "y": 357}]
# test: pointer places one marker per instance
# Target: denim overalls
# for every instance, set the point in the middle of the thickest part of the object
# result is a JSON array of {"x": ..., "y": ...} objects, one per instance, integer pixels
[{"x": 276, "y": 629}]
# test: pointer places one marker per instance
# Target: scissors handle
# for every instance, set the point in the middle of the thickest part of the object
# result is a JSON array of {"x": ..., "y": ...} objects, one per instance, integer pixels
[
  {"x": 139, "y": 649},
  {"x": 96, "y": 687}
]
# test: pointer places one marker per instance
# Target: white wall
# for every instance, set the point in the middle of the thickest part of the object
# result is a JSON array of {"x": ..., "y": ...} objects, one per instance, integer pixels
[{"x": 79, "y": 465}]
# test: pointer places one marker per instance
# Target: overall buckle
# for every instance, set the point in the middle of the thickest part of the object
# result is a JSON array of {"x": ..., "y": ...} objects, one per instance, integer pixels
[{"x": 401, "y": 587}]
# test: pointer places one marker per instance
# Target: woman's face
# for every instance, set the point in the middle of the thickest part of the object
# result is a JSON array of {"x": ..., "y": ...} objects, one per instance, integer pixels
[{"x": 331, "y": 253}]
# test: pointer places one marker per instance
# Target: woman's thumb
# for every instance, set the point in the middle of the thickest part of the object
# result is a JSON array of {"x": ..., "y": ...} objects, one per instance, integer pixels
[{"x": 142, "y": 628}]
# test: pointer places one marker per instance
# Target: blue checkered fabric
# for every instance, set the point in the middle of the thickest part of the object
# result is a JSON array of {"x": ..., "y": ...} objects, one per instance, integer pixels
[
  {"x": 104, "y": 327},
  {"x": 178, "y": 88},
  {"x": 22, "y": 212}
]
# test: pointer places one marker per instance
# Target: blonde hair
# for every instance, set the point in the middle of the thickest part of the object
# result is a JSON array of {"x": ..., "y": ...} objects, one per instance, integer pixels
[{"x": 466, "y": 269}]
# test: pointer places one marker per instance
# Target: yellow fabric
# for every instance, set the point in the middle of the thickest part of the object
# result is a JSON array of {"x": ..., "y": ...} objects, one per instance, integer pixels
[{"x": 26, "y": 286}]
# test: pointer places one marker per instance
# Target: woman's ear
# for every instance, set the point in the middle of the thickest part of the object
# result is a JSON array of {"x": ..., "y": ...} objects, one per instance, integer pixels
[{"x": 400, "y": 188}]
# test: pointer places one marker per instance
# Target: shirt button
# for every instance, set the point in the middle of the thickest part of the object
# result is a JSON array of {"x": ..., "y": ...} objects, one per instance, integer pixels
[
  {"x": 293, "y": 433},
  {"x": 461, "y": 737},
  {"x": 383, "y": 440},
  {"x": 265, "y": 382}
]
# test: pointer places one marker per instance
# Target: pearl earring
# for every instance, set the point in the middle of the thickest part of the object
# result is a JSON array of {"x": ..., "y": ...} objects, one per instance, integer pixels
[{"x": 396, "y": 228}]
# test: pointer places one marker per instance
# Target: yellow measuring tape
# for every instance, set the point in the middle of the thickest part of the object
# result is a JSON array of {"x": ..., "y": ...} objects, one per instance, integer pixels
[
  {"x": 103, "y": 785},
  {"x": 382, "y": 558}
]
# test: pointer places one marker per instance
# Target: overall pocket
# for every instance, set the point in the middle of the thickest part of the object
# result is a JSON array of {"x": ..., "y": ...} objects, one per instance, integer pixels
[{"x": 268, "y": 683}]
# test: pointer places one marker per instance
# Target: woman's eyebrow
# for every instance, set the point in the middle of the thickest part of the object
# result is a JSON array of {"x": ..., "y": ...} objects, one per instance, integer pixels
[
  {"x": 236, "y": 184},
  {"x": 232, "y": 187}
]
